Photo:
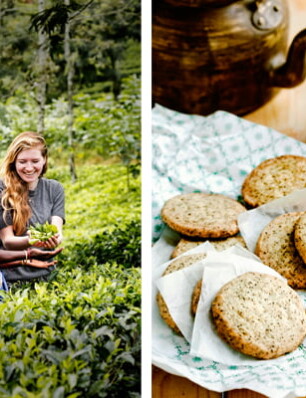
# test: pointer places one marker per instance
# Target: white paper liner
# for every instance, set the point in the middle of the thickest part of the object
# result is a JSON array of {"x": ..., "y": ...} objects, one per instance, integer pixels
[
  {"x": 252, "y": 222},
  {"x": 214, "y": 154},
  {"x": 219, "y": 269},
  {"x": 177, "y": 288}
]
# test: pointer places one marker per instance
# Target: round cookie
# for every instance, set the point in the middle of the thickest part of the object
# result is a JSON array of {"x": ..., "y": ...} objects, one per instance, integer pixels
[
  {"x": 276, "y": 248},
  {"x": 202, "y": 215},
  {"x": 300, "y": 236},
  {"x": 186, "y": 244},
  {"x": 176, "y": 265},
  {"x": 274, "y": 178},
  {"x": 196, "y": 297},
  {"x": 259, "y": 315}
]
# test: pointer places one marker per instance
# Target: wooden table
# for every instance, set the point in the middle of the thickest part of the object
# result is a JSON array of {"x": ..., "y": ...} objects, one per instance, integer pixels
[{"x": 285, "y": 113}]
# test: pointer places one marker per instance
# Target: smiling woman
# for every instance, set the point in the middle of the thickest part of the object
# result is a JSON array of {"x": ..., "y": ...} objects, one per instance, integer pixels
[
  {"x": 29, "y": 166},
  {"x": 28, "y": 199}
]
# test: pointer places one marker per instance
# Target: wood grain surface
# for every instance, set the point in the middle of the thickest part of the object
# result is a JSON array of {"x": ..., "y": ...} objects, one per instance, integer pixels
[{"x": 287, "y": 114}]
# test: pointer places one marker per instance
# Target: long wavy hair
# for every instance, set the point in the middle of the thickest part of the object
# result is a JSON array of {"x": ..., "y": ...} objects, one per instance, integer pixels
[{"x": 15, "y": 196}]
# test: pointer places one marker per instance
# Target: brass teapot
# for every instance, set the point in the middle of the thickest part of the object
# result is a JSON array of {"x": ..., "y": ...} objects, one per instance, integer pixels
[{"x": 226, "y": 55}]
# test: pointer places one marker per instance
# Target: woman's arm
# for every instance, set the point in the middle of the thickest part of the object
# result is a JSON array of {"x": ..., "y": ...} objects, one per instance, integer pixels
[
  {"x": 12, "y": 242},
  {"x": 10, "y": 255},
  {"x": 58, "y": 222},
  {"x": 31, "y": 256},
  {"x": 33, "y": 262}
]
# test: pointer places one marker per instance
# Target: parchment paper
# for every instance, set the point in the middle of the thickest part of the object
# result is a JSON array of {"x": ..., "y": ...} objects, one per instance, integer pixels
[{"x": 212, "y": 154}]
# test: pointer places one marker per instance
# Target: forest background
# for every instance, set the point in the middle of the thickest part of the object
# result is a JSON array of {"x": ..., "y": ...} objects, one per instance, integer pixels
[{"x": 71, "y": 70}]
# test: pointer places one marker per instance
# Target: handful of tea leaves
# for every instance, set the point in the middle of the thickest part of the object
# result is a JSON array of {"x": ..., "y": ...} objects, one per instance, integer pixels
[{"x": 41, "y": 232}]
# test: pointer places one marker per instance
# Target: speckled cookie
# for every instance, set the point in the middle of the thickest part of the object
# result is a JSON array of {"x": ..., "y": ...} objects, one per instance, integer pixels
[
  {"x": 196, "y": 297},
  {"x": 186, "y": 244},
  {"x": 300, "y": 237},
  {"x": 259, "y": 315},
  {"x": 274, "y": 178},
  {"x": 276, "y": 248},
  {"x": 176, "y": 265},
  {"x": 202, "y": 215}
]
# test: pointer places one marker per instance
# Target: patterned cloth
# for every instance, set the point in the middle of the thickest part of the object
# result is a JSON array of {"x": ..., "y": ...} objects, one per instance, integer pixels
[
  {"x": 209, "y": 154},
  {"x": 212, "y": 154}
]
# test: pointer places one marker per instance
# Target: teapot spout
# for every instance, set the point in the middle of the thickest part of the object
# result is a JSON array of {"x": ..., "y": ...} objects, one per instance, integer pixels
[{"x": 293, "y": 71}]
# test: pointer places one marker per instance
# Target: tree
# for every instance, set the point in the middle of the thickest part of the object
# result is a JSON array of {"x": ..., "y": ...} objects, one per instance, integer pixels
[
  {"x": 70, "y": 74},
  {"x": 42, "y": 76},
  {"x": 102, "y": 33}
]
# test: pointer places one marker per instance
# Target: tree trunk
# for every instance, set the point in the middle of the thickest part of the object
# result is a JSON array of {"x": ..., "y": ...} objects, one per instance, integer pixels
[
  {"x": 70, "y": 74},
  {"x": 42, "y": 76},
  {"x": 1, "y": 15},
  {"x": 116, "y": 76}
]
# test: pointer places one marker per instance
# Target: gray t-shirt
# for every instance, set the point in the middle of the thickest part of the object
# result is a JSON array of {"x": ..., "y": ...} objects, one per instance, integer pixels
[{"x": 46, "y": 200}]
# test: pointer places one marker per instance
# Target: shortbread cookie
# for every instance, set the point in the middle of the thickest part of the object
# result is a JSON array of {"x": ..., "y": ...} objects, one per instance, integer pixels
[
  {"x": 202, "y": 215},
  {"x": 276, "y": 248},
  {"x": 196, "y": 297},
  {"x": 176, "y": 265},
  {"x": 274, "y": 178},
  {"x": 186, "y": 244},
  {"x": 300, "y": 237},
  {"x": 259, "y": 315}
]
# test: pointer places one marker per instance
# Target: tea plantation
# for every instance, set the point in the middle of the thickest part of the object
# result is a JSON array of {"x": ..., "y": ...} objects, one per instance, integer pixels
[{"x": 78, "y": 335}]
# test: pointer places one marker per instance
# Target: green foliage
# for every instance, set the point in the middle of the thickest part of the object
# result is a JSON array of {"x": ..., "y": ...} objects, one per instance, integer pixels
[
  {"x": 98, "y": 201},
  {"x": 41, "y": 232},
  {"x": 118, "y": 123},
  {"x": 102, "y": 37},
  {"x": 78, "y": 335},
  {"x": 103, "y": 127},
  {"x": 122, "y": 245}
]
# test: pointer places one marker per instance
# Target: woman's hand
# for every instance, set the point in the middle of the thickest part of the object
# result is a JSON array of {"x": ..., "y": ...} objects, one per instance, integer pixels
[
  {"x": 33, "y": 262},
  {"x": 43, "y": 254},
  {"x": 51, "y": 243}
]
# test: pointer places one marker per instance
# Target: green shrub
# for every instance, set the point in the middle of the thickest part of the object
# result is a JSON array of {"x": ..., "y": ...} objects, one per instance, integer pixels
[
  {"x": 122, "y": 245},
  {"x": 76, "y": 336},
  {"x": 97, "y": 201}
]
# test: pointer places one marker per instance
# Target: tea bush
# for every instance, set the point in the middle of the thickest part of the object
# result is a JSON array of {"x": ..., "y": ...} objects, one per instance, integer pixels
[
  {"x": 123, "y": 245},
  {"x": 78, "y": 335}
]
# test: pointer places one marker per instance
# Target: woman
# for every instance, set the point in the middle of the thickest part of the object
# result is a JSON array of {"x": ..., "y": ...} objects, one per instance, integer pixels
[{"x": 27, "y": 198}]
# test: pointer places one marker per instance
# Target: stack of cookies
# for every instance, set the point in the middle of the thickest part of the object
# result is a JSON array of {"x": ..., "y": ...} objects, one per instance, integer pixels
[
  {"x": 282, "y": 243},
  {"x": 282, "y": 246},
  {"x": 198, "y": 217},
  {"x": 256, "y": 314}
]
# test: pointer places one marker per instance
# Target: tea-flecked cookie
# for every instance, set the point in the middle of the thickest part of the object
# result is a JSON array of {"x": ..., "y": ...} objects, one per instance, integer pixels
[
  {"x": 259, "y": 315},
  {"x": 273, "y": 179},
  {"x": 186, "y": 244},
  {"x": 176, "y": 265},
  {"x": 202, "y": 215},
  {"x": 196, "y": 297},
  {"x": 300, "y": 237},
  {"x": 276, "y": 248}
]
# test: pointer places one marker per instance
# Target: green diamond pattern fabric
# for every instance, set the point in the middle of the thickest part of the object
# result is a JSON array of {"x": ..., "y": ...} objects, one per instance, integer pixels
[
  {"x": 208, "y": 154},
  {"x": 214, "y": 154}
]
